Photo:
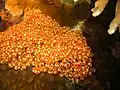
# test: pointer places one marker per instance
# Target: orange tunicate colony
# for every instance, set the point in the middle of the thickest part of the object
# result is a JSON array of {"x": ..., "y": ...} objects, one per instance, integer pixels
[{"x": 41, "y": 43}]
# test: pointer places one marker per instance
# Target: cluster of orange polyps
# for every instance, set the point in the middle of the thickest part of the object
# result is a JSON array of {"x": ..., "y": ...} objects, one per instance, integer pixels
[{"x": 40, "y": 42}]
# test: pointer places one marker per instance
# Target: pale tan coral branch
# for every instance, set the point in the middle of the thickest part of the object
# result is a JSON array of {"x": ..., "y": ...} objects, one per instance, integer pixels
[
  {"x": 116, "y": 21},
  {"x": 99, "y": 7}
]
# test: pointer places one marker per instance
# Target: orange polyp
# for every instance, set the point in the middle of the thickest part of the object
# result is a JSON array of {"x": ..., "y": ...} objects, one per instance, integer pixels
[{"x": 65, "y": 49}]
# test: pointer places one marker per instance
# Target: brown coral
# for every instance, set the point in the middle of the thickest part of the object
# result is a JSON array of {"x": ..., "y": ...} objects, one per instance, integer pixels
[{"x": 40, "y": 42}]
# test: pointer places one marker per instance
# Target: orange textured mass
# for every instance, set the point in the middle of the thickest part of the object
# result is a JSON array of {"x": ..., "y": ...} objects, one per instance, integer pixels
[{"x": 40, "y": 42}]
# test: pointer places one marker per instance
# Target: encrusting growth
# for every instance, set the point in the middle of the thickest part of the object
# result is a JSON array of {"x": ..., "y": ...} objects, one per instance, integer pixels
[
  {"x": 13, "y": 7},
  {"x": 41, "y": 43}
]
